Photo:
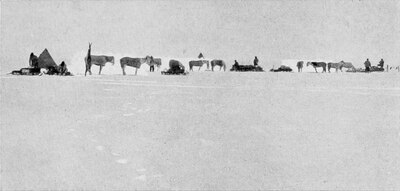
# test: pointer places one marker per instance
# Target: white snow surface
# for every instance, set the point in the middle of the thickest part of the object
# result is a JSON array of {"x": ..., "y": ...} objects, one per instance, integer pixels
[{"x": 203, "y": 131}]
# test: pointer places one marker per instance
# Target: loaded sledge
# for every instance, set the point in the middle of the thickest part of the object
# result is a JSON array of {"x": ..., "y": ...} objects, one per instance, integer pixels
[
  {"x": 246, "y": 68},
  {"x": 282, "y": 68},
  {"x": 372, "y": 69},
  {"x": 175, "y": 68}
]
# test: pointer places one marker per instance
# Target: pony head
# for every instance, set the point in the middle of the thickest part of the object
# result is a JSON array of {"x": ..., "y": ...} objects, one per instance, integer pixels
[
  {"x": 149, "y": 59},
  {"x": 308, "y": 63},
  {"x": 112, "y": 59}
]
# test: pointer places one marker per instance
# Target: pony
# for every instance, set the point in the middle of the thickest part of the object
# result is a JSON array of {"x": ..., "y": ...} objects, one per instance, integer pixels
[
  {"x": 300, "y": 66},
  {"x": 348, "y": 65},
  {"x": 133, "y": 62},
  {"x": 219, "y": 63},
  {"x": 336, "y": 65},
  {"x": 198, "y": 63},
  {"x": 98, "y": 60},
  {"x": 317, "y": 65},
  {"x": 340, "y": 65}
]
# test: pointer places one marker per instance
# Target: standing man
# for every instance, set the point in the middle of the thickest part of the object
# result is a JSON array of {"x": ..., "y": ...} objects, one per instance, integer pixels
[
  {"x": 255, "y": 61},
  {"x": 381, "y": 63},
  {"x": 151, "y": 64},
  {"x": 367, "y": 65}
]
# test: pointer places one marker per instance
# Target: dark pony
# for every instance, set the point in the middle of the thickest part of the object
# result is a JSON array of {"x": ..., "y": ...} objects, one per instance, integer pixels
[{"x": 317, "y": 65}]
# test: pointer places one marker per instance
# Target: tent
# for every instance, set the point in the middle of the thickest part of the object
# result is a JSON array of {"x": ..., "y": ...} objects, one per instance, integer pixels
[{"x": 45, "y": 60}]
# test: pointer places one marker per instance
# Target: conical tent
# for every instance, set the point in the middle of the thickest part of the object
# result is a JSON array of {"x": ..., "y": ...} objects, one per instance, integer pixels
[{"x": 45, "y": 60}]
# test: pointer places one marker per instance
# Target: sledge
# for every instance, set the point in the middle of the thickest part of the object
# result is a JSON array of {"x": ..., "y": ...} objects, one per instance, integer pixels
[
  {"x": 282, "y": 68},
  {"x": 174, "y": 72},
  {"x": 175, "y": 68},
  {"x": 246, "y": 68},
  {"x": 372, "y": 69},
  {"x": 26, "y": 71}
]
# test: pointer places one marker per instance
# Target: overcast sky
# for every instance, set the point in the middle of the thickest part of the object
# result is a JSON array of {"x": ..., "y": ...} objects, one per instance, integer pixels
[{"x": 235, "y": 29}]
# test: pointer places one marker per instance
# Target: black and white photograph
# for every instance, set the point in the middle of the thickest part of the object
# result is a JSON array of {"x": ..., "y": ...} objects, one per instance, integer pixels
[{"x": 200, "y": 95}]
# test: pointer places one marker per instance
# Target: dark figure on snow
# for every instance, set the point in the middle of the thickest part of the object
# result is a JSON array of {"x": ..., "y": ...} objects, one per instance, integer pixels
[
  {"x": 256, "y": 61},
  {"x": 33, "y": 61},
  {"x": 152, "y": 65},
  {"x": 63, "y": 68},
  {"x": 236, "y": 64},
  {"x": 200, "y": 56},
  {"x": 381, "y": 63},
  {"x": 367, "y": 65}
]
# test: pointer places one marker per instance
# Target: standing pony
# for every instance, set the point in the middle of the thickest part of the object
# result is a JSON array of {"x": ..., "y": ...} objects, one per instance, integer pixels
[
  {"x": 198, "y": 63},
  {"x": 317, "y": 65},
  {"x": 133, "y": 62},
  {"x": 96, "y": 60},
  {"x": 337, "y": 66},
  {"x": 219, "y": 63},
  {"x": 300, "y": 66},
  {"x": 348, "y": 65}
]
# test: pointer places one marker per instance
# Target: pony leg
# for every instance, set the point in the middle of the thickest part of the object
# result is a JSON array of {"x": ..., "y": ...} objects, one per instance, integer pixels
[
  {"x": 199, "y": 68},
  {"x": 101, "y": 67},
  {"x": 123, "y": 70},
  {"x": 135, "y": 71},
  {"x": 88, "y": 70},
  {"x": 315, "y": 69}
]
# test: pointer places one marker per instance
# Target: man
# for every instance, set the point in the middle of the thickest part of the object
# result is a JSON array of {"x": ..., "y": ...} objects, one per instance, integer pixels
[
  {"x": 63, "y": 69},
  {"x": 151, "y": 64},
  {"x": 33, "y": 61},
  {"x": 381, "y": 63},
  {"x": 255, "y": 61},
  {"x": 367, "y": 65},
  {"x": 236, "y": 65}
]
